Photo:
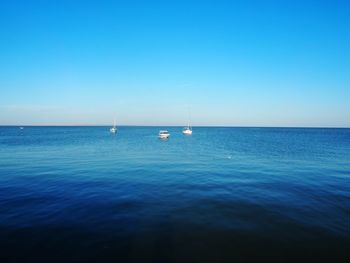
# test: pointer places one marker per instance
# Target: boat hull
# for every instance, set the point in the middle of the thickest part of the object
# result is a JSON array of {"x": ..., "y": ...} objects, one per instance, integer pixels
[
  {"x": 187, "y": 132},
  {"x": 163, "y": 136}
]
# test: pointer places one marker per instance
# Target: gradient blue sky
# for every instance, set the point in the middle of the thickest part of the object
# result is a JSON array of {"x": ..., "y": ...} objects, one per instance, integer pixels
[{"x": 236, "y": 63}]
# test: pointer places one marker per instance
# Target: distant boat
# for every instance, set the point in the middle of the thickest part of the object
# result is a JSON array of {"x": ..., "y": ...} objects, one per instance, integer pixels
[
  {"x": 188, "y": 129},
  {"x": 21, "y": 128},
  {"x": 163, "y": 134},
  {"x": 114, "y": 128}
]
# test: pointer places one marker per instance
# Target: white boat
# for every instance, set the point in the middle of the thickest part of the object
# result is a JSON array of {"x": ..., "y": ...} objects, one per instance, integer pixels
[
  {"x": 163, "y": 134},
  {"x": 187, "y": 130},
  {"x": 114, "y": 128}
]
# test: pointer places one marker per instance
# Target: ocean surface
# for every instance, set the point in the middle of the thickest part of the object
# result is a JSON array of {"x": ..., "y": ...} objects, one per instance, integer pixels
[{"x": 81, "y": 194}]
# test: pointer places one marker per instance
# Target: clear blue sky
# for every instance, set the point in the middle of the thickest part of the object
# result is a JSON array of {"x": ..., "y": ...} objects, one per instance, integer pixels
[{"x": 250, "y": 63}]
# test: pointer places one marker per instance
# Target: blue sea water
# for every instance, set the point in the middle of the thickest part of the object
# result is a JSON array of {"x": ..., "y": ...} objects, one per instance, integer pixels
[{"x": 81, "y": 194}]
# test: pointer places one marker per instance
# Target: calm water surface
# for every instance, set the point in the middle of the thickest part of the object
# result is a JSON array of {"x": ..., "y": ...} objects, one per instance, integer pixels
[{"x": 80, "y": 194}]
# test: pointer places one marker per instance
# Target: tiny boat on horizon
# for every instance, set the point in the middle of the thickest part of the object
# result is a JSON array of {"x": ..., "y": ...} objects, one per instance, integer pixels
[
  {"x": 114, "y": 128},
  {"x": 187, "y": 130},
  {"x": 163, "y": 134}
]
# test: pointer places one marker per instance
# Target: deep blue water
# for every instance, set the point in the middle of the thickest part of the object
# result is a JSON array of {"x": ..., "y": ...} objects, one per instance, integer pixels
[{"x": 80, "y": 194}]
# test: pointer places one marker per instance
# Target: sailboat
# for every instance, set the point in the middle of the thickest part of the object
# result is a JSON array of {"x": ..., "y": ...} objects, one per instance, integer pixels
[
  {"x": 188, "y": 129},
  {"x": 114, "y": 128}
]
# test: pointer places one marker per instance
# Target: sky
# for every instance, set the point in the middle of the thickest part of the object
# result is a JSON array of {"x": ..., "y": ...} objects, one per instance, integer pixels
[{"x": 228, "y": 63}]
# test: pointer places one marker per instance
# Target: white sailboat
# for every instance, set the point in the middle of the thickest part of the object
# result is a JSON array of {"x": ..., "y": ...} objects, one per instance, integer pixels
[
  {"x": 188, "y": 129},
  {"x": 114, "y": 128}
]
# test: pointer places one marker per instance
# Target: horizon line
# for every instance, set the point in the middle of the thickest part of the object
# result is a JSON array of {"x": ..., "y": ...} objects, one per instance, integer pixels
[{"x": 198, "y": 126}]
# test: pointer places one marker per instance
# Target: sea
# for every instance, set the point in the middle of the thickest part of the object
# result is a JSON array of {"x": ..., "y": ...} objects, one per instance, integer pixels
[{"x": 239, "y": 194}]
